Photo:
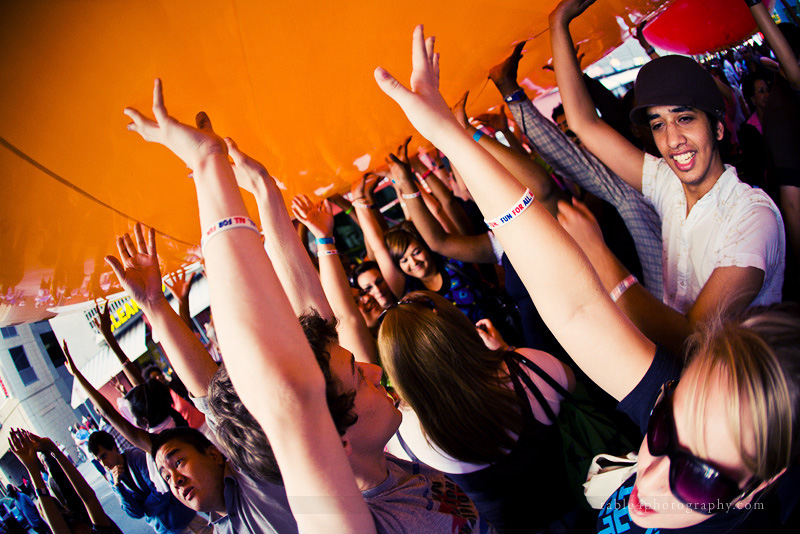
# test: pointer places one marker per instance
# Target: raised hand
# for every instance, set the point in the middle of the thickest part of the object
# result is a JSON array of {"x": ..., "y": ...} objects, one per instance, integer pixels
[
  {"x": 365, "y": 187},
  {"x": 497, "y": 121},
  {"x": 190, "y": 144},
  {"x": 70, "y": 363},
  {"x": 582, "y": 225},
  {"x": 568, "y": 10},
  {"x": 138, "y": 270},
  {"x": 460, "y": 110},
  {"x": 422, "y": 102},
  {"x": 318, "y": 218},
  {"x": 179, "y": 283},
  {"x": 24, "y": 447},
  {"x": 504, "y": 74},
  {"x": 103, "y": 319},
  {"x": 250, "y": 174}
]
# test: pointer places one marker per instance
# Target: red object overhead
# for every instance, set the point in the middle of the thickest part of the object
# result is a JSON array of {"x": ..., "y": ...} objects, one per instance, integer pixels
[{"x": 698, "y": 26}]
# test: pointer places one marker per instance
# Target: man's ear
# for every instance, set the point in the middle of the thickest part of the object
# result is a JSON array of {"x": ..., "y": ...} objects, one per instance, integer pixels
[
  {"x": 214, "y": 453},
  {"x": 749, "y": 497},
  {"x": 720, "y": 130}
]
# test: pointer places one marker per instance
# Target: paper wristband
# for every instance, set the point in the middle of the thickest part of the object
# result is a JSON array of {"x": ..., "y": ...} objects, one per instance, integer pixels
[
  {"x": 228, "y": 224},
  {"x": 477, "y": 135},
  {"x": 622, "y": 287},
  {"x": 515, "y": 211},
  {"x": 331, "y": 252},
  {"x": 409, "y": 196},
  {"x": 326, "y": 241}
]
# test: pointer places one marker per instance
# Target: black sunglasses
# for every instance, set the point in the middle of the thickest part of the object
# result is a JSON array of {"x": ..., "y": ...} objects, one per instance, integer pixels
[
  {"x": 692, "y": 480},
  {"x": 419, "y": 299}
]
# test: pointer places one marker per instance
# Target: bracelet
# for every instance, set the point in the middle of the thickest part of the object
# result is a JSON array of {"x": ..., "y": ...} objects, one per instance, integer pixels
[
  {"x": 330, "y": 252},
  {"x": 515, "y": 211},
  {"x": 751, "y": 3},
  {"x": 326, "y": 241},
  {"x": 477, "y": 135},
  {"x": 427, "y": 173},
  {"x": 622, "y": 287},
  {"x": 409, "y": 196},
  {"x": 650, "y": 51},
  {"x": 349, "y": 210},
  {"x": 228, "y": 224},
  {"x": 517, "y": 96},
  {"x": 363, "y": 205}
]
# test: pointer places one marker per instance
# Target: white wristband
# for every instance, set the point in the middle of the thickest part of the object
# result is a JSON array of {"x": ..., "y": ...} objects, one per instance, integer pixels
[
  {"x": 514, "y": 212},
  {"x": 228, "y": 224},
  {"x": 622, "y": 287},
  {"x": 409, "y": 196}
]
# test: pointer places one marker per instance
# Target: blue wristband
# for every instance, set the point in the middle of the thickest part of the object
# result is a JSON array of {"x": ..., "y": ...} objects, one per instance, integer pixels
[
  {"x": 517, "y": 96},
  {"x": 326, "y": 241},
  {"x": 477, "y": 135}
]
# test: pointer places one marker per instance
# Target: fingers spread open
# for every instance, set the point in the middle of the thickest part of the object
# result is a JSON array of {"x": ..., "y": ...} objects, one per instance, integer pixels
[
  {"x": 139, "y": 234},
  {"x": 151, "y": 241}
]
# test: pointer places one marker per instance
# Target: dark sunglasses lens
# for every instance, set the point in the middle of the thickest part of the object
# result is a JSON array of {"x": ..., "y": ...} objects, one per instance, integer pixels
[
  {"x": 699, "y": 485},
  {"x": 659, "y": 429}
]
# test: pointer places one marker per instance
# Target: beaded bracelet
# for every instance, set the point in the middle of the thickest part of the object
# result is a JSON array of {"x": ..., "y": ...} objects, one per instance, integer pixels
[
  {"x": 409, "y": 196},
  {"x": 228, "y": 224},
  {"x": 622, "y": 287},
  {"x": 326, "y": 241},
  {"x": 331, "y": 252},
  {"x": 515, "y": 211}
]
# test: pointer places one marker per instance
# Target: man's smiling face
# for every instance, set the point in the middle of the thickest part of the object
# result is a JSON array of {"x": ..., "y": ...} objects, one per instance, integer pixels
[{"x": 686, "y": 141}]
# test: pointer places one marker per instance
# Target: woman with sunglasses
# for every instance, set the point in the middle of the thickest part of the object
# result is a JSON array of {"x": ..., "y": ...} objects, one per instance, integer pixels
[
  {"x": 467, "y": 413},
  {"x": 726, "y": 432}
]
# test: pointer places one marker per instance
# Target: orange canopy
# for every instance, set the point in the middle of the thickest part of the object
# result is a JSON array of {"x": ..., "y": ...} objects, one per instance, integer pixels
[{"x": 290, "y": 81}]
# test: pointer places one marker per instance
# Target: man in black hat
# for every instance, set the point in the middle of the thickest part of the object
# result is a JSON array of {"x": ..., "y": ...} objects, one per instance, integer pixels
[{"x": 723, "y": 241}]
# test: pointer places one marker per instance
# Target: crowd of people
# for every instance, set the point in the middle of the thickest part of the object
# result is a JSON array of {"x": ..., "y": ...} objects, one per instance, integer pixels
[{"x": 420, "y": 388}]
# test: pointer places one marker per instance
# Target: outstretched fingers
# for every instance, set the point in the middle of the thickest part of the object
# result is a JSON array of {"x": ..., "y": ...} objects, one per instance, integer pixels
[{"x": 159, "y": 110}]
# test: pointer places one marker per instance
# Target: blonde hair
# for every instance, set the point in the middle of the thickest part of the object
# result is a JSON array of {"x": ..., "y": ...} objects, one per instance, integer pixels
[
  {"x": 458, "y": 388},
  {"x": 757, "y": 358}
]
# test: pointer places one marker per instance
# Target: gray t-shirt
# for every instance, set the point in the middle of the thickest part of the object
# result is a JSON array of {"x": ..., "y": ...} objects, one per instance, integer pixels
[
  {"x": 254, "y": 506},
  {"x": 415, "y": 498}
]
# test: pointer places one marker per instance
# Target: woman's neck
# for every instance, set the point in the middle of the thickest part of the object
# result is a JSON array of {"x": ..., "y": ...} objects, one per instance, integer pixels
[{"x": 433, "y": 282}]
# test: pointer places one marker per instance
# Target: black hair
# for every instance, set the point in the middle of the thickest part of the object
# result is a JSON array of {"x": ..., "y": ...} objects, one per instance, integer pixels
[
  {"x": 187, "y": 435},
  {"x": 152, "y": 402},
  {"x": 101, "y": 438},
  {"x": 242, "y": 437},
  {"x": 557, "y": 112},
  {"x": 150, "y": 368},
  {"x": 12, "y": 491},
  {"x": 360, "y": 269}
]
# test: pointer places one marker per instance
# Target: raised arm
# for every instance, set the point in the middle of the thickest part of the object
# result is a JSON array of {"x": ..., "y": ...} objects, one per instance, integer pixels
[
  {"x": 521, "y": 166},
  {"x": 368, "y": 219},
  {"x": 89, "y": 498},
  {"x": 289, "y": 258},
  {"x": 353, "y": 332},
  {"x": 180, "y": 285},
  {"x": 25, "y": 451},
  {"x": 103, "y": 323},
  {"x": 467, "y": 248},
  {"x": 139, "y": 438},
  {"x": 728, "y": 289},
  {"x": 273, "y": 369},
  {"x": 783, "y": 51},
  {"x": 138, "y": 272},
  {"x": 601, "y": 139},
  {"x": 554, "y": 270}
]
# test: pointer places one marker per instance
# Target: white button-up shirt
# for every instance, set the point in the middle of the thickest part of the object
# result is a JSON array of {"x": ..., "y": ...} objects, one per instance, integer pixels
[{"x": 733, "y": 225}]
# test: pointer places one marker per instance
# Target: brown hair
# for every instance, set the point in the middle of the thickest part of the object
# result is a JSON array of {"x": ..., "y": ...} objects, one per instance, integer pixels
[
  {"x": 757, "y": 357},
  {"x": 240, "y": 435},
  {"x": 400, "y": 237},
  {"x": 458, "y": 388}
]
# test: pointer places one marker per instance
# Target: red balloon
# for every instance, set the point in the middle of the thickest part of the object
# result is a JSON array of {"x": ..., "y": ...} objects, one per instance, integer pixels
[{"x": 698, "y": 26}]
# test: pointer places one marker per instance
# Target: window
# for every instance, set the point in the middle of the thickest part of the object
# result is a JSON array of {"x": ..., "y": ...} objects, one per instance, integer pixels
[
  {"x": 26, "y": 372},
  {"x": 8, "y": 331},
  {"x": 53, "y": 349}
]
